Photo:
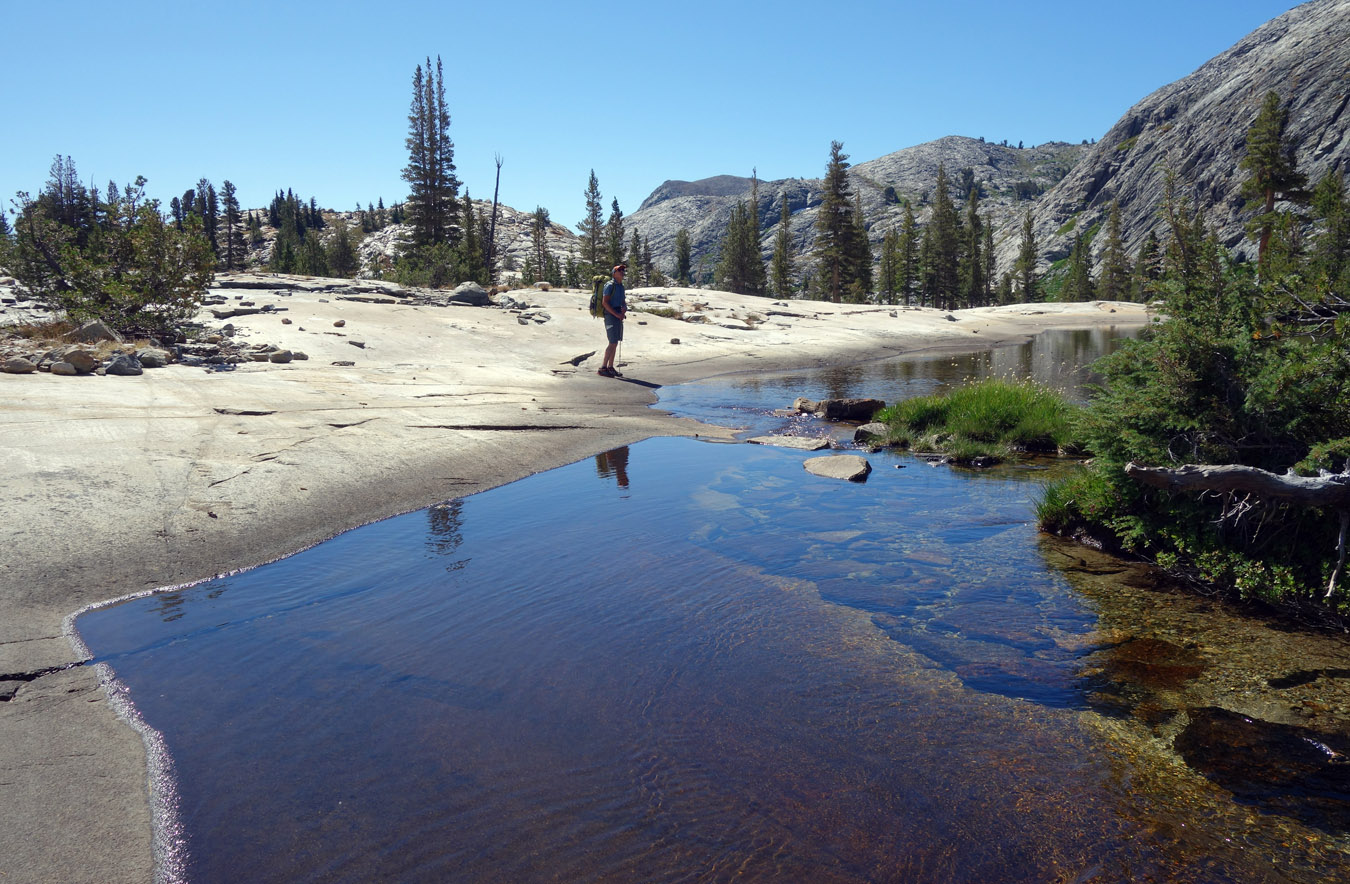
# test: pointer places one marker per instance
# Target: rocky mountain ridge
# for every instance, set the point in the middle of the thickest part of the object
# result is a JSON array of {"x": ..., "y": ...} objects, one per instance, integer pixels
[
  {"x": 1198, "y": 126},
  {"x": 1010, "y": 178}
]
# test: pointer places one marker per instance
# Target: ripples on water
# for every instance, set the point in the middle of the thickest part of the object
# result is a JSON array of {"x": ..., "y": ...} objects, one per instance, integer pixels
[{"x": 693, "y": 662}]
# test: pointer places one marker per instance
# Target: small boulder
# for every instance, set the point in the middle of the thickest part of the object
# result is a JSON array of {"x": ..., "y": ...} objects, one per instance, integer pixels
[
  {"x": 470, "y": 293},
  {"x": 94, "y": 331},
  {"x": 674, "y": 340},
  {"x": 281, "y": 356},
  {"x": 153, "y": 357},
  {"x": 18, "y": 365},
  {"x": 339, "y": 323},
  {"x": 83, "y": 361},
  {"x": 868, "y": 431},
  {"x": 842, "y": 466},
  {"x": 299, "y": 355},
  {"x": 124, "y": 365},
  {"x": 64, "y": 368},
  {"x": 802, "y": 405}
]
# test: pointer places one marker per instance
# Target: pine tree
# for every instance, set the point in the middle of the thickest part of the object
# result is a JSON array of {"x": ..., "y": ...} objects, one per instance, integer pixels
[
  {"x": 756, "y": 280},
  {"x": 1147, "y": 270},
  {"x": 908, "y": 270},
  {"x": 539, "y": 225},
  {"x": 782, "y": 253},
  {"x": 649, "y": 272},
  {"x": 1329, "y": 263},
  {"x": 946, "y": 245},
  {"x": 1114, "y": 279},
  {"x": 860, "y": 255},
  {"x": 433, "y": 189},
  {"x": 342, "y": 257},
  {"x": 972, "y": 257},
  {"x": 927, "y": 279},
  {"x": 835, "y": 226},
  {"x": 234, "y": 237},
  {"x": 890, "y": 266},
  {"x": 683, "y": 257},
  {"x": 1025, "y": 268},
  {"x": 470, "y": 259},
  {"x": 592, "y": 227},
  {"x": 614, "y": 235},
  {"x": 1271, "y": 161},
  {"x": 634, "y": 260},
  {"x": 989, "y": 268},
  {"x": 209, "y": 211},
  {"x": 1078, "y": 283}
]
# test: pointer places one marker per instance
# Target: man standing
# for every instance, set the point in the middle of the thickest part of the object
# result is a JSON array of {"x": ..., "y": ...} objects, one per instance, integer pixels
[{"x": 616, "y": 310}]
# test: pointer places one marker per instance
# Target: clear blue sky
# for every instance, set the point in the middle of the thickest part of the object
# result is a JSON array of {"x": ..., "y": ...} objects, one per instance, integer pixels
[{"x": 314, "y": 96}]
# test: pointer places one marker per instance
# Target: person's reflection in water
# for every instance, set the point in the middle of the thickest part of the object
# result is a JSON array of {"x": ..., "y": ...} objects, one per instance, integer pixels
[{"x": 613, "y": 463}]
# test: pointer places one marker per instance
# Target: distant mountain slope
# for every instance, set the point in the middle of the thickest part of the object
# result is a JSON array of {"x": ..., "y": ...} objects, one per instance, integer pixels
[
  {"x": 704, "y": 207},
  {"x": 1199, "y": 125}
]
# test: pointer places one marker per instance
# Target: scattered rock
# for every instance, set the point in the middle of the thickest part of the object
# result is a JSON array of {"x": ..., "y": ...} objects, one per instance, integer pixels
[
  {"x": 577, "y": 360},
  {"x": 800, "y": 443},
  {"x": 124, "y": 365},
  {"x": 18, "y": 365},
  {"x": 344, "y": 362},
  {"x": 244, "y": 412},
  {"x": 281, "y": 356},
  {"x": 64, "y": 368},
  {"x": 94, "y": 331},
  {"x": 339, "y": 323},
  {"x": 299, "y": 355},
  {"x": 842, "y": 466},
  {"x": 260, "y": 356},
  {"x": 285, "y": 320},
  {"x": 674, "y": 340},
  {"x": 361, "y": 345}
]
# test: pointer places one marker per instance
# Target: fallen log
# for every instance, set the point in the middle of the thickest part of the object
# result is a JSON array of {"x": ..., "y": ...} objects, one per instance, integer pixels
[
  {"x": 1321, "y": 491},
  {"x": 1331, "y": 491}
]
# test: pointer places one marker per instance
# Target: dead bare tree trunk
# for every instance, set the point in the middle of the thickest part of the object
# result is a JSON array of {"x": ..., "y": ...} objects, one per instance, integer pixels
[
  {"x": 1331, "y": 491},
  {"x": 492, "y": 225}
]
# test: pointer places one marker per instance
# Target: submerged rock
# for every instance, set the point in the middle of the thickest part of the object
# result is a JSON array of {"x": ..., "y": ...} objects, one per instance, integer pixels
[{"x": 800, "y": 443}]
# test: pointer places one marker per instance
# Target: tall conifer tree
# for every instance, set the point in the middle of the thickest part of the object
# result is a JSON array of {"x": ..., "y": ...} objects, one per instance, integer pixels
[
  {"x": 1270, "y": 159},
  {"x": 782, "y": 253},
  {"x": 433, "y": 190},
  {"x": 592, "y": 226},
  {"x": 614, "y": 235},
  {"x": 1025, "y": 268},
  {"x": 1113, "y": 282},
  {"x": 683, "y": 257},
  {"x": 835, "y": 253}
]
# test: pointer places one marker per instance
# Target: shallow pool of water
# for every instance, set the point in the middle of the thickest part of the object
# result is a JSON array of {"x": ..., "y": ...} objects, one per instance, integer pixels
[{"x": 681, "y": 661}]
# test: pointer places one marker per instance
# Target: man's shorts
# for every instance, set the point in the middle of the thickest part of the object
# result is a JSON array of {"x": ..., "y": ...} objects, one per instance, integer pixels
[{"x": 613, "y": 329}]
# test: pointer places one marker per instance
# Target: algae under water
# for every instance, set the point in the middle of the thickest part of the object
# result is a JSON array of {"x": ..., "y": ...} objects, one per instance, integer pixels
[{"x": 681, "y": 661}]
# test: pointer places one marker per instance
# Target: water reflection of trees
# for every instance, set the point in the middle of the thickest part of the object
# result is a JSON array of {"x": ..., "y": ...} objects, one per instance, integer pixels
[{"x": 445, "y": 535}]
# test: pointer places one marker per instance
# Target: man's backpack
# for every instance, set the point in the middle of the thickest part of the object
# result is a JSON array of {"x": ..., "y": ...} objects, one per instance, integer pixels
[{"x": 598, "y": 294}]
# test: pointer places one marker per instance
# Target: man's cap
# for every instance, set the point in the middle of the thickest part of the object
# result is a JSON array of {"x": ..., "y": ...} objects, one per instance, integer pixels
[{"x": 618, "y": 267}]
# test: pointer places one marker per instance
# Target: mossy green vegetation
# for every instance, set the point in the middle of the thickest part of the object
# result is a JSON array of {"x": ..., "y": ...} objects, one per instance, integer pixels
[{"x": 983, "y": 422}]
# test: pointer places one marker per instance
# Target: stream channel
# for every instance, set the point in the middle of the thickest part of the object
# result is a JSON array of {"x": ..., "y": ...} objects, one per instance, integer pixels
[{"x": 682, "y": 661}]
